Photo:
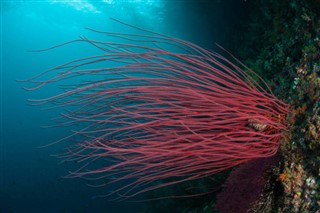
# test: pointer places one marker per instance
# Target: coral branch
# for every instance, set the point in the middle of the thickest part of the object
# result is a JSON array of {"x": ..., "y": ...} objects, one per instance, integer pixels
[{"x": 162, "y": 107}]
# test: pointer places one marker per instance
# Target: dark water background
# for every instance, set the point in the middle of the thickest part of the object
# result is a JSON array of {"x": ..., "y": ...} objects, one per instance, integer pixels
[{"x": 30, "y": 178}]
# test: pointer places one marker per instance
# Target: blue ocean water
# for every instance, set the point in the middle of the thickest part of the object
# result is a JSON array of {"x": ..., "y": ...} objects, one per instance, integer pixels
[{"x": 31, "y": 178}]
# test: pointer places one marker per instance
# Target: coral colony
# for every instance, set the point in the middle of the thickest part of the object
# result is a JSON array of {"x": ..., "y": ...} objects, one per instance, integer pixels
[{"x": 158, "y": 107}]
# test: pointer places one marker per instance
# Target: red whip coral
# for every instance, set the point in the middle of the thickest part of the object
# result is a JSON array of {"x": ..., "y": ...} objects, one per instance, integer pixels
[{"x": 155, "y": 113}]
